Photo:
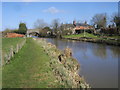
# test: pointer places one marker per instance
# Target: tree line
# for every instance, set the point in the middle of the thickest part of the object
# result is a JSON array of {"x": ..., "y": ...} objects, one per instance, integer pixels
[
  {"x": 56, "y": 28},
  {"x": 106, "y": 25},
  {"x": 100, "y": 21}
]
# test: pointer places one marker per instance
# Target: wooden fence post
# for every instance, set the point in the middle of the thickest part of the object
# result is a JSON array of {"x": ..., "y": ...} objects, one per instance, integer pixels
[
  {"x": 7, "y": 57},
  {"x": 11, "y": 51}
]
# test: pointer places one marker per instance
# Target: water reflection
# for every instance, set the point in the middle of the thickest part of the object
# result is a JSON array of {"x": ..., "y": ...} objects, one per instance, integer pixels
[
  {"x": 115, "y": 51},
  {"x": 97, "y": 49},
  {"x": 100, "y": 51}
]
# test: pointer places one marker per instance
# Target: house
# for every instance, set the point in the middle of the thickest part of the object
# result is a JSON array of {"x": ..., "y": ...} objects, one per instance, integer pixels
[
  {"x": 69, "y": 28},
  {"x": 77, "y": 28},
  {"x": 81, "y": 27}
]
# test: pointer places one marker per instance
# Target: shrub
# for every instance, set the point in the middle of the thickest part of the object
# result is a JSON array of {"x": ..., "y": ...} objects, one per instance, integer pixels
[
  {"x": 4, "y": 33},
  {"x": 66, "y": 32}
]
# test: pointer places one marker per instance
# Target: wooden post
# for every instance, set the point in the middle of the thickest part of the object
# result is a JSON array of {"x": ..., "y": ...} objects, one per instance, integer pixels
[
  {"x": 11, "y": 51},
  {"x": 17, "y": 48},
  {"x": 9, "y": 56}
]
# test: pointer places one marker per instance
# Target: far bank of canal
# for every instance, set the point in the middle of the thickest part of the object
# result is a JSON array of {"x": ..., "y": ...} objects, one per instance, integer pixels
[{"x": 98, "y": 62}]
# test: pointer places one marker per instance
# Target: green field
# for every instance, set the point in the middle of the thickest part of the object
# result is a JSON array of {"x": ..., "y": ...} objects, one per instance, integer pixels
[
  {"x": 29, "y": 68},
  {"x": 81, "y": 35},
  {"x": 8, "y": 42},
  {"x": 91, "y": 36}
]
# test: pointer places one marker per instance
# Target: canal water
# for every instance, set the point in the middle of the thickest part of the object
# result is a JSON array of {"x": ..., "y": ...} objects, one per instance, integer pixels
[{"x": 98, "y": 62}]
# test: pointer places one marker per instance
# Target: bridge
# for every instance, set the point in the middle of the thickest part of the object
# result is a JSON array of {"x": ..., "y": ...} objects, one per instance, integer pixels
[{"x": 33, "y": 32}]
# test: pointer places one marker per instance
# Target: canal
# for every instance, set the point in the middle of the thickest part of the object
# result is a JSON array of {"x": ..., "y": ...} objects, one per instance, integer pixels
[{"x": 98, "y": 62}]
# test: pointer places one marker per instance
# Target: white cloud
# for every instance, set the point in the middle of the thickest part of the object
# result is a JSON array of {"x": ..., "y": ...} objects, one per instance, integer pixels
[{"x": 52, "y": 10}]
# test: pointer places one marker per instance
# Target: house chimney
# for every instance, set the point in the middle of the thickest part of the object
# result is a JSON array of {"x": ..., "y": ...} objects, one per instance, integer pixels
[
  {"x": 74, "y": 23},
  {"x": 85, "y": 22}
]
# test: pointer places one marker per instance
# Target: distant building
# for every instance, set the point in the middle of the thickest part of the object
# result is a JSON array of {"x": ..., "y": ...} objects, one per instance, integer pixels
[
  {"x": 77, "y": 28},
  {"x": 80, "y": 27},
  {"x": 68, "y": 27}
]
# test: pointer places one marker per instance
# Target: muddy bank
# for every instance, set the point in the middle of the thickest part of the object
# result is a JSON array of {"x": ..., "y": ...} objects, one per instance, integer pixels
[
  {"x": 64, "y": 66},
  {"x": 103, "y": 41}
]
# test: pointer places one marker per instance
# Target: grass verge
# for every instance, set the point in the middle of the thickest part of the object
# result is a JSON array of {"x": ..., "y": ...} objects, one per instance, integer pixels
[
  {"x": 8, "y": 42},
  {"x": 81, "y": 35},
  {"x": 29, "y": 68}
]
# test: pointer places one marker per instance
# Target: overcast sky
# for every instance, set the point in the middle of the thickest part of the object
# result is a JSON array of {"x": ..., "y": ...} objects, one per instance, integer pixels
[{"x": 15, "y": 12}]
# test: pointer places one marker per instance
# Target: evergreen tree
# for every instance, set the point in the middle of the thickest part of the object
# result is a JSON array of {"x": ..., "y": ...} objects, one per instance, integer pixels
[{"x": 22, "y": 28}]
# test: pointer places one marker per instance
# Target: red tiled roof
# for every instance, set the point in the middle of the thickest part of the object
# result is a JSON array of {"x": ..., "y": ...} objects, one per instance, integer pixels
[
  {"x": 82, "y": 28},
  {"x": 12, "y": 35}
]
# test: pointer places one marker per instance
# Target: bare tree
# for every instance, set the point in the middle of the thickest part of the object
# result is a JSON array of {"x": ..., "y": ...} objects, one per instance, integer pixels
[
  {"x": 116, "y": 19},
  {"x": 55, "y": 26},
  {"x": 62, "y": 27},
  {"x": 40, "y": 23},
  {"x": 100, "y": 20}
]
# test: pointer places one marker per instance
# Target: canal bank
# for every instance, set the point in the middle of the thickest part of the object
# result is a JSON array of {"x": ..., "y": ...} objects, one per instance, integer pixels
[
  {"x": 98, "y": 62},
  {"x": 115, "y": 42},
  {"x": 87, "y": 37},
  {"x": 64, "y": 66}
]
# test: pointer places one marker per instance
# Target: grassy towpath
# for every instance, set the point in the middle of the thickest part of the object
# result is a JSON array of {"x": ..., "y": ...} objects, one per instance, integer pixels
[{"x": 29, "y": 69}]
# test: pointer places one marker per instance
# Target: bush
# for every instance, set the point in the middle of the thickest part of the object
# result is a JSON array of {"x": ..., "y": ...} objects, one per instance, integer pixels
[
  {"x": 5, "y": 32},
  {"x": 90, "y": 30},
  {"x": 66, "y": 32},
  {"x": 110, "y": 31},
  {"x": 46, "y": 31},
  {"x": 14, "y": 31}
]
